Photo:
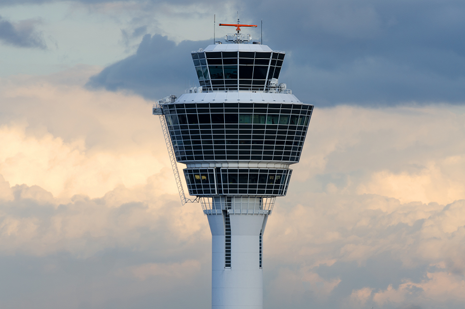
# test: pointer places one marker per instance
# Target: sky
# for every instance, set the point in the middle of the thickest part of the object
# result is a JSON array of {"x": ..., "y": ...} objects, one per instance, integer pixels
[{"x": 89, "y": 211}]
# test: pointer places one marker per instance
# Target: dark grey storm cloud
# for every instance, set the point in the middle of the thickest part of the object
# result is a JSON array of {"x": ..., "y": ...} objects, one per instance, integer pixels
[
  {"x": 355, "y": 52},
  {"x": 22, "y": 34},
  {"x": 159, "y": 68}
]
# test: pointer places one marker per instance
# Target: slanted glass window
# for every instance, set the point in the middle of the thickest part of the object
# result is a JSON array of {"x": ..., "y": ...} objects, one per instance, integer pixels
[
  {"x": 272, "y": 119},
  {"x": 230, "y": 72},
  {"x": 246, "y": 54},
  {"x": 260, "y": 72},
  {"x": 192, "y": 119},
  {"x": 199, "y": 73},
  {"x": 259, "y": 119},
  {"x": 216, "y": 72},
  {"x": 245, "y": 72},
  {"x": 205, "y": 72},
  {"x": 263, "y": 55},
  {"x": 213, "y": 55},
  {"x": 231, "y": 118},
  {"x": 276, "y": 72},
  {"x": 229, "y": 54},
  {"x": 245, "y": 118}
]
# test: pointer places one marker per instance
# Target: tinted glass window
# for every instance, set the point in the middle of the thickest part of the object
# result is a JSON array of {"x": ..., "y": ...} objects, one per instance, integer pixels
[
  {"x": 203, "y": 118},
  {"x": 216, "y": 72},
  {"x": 276, "y": 72},
  {"x": 246, "y": 54},
  {"x": 192, "y": 119},
  {"x": 245, "y": 118},
  {"x": 245, "y": 72},
  {"x": 230, "y": 72},
  {"x": 231, "y": 118},
  {"x": 229, "y": 54},
  {"x": 262, "y": 55},
  {"x": 214, "y": 55},
  {"x": 217, "y": 118},
  {"x": 214, "y": 61},
  {"x": 260, "y": 72},
  {"x": 229, "y": 61}
]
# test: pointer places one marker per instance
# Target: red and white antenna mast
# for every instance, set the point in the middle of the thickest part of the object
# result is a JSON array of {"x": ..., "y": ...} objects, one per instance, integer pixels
[{"x": 238, "y": 37}]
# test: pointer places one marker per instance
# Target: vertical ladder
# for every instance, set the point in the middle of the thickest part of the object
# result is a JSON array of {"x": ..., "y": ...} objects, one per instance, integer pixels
[
  {"x": 158, "y": 110},
  {"x": 227, "y": 240},
  {"x": 227, "y": 234}
]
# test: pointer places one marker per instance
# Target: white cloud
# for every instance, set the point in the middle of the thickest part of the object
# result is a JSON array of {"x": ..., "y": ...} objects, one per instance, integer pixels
[{"x": 374, "y": 215}]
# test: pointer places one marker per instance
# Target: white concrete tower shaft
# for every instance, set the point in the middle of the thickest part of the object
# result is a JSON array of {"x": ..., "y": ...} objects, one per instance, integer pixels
[{"x": 237, "y": 276}]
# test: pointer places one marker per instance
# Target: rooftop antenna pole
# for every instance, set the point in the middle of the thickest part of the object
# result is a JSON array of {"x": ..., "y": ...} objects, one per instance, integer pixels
[
  {"x": 214, "y": 28},
  {"x": 261, "y": 32}
]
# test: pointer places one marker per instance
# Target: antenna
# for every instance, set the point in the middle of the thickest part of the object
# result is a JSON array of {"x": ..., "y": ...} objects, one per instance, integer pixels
[
  {"x": 261, "y": 32},
  {"x": 214, "y": 27}
]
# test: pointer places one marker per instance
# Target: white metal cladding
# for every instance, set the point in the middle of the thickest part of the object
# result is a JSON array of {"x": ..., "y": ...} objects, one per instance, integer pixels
[
  {"x": 246, "y": 205},
  {"x": 237, "y": 277}
]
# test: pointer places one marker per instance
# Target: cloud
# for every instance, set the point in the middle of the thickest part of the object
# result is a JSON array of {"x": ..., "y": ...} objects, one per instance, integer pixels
[
  {"x": 159, "y": 68},
  {"x": 338, "y": 52},
  {"x": 90, "y": 217},
  {"x": 21, "y": 34}
]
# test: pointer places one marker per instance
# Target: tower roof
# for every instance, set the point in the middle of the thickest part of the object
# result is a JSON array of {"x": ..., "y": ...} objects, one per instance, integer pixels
[{"x": 238, "y": 47}]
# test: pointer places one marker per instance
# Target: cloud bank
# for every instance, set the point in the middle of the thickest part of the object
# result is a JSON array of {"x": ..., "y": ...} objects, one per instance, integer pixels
[
  {"x": 90, "y": 217},
  {"x": 338, "y": 52},
  {"x": 21, "y": 34}
]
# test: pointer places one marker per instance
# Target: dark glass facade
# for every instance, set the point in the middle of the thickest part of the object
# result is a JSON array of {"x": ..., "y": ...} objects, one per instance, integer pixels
[
  {"x": 222, "y": 181},
  {"x": 238, "y": 131},
  {"x": 237, "y": 70}
]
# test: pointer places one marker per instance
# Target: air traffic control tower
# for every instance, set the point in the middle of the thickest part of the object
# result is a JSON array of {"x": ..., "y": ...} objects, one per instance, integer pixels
[{"x": 238, "y": 133}]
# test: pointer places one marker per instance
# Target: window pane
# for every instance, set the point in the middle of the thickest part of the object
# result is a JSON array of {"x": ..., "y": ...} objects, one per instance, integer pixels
[
  {"x": 246, "y": 54},
  {"x": 263, "y": 55},
  {"x": 246, "y": 61},
  {"x": 284, "y": 119},
  {"x": 182, "y": 119},
  {"x": 192, "y": 119},
  {"x": 231, "y": 118},
  {"x": 199, "y": 73},
  {"x": 245, "y": 118},
  {"x": 214, "y": 55},
  {"x": 229, "y": 54},
  {"x": 245, "y": 72},
  {"x": 204, "y": 118},
  {"x": 216, "y": 72},
  {"x": 217, "y": 118},
  {"x": 262, "y": 61},
  {"x": 205, "y": 72},
  {"x": 259, "y": 118},
  {"x": 294, "y": 120},
  {"x": 276, "y": 72},
  {"x": 272, "y": 119},
  {"x": 229, "y": 61},
  {"x": 260, "y": 72},
  {"x": 230, "y": 72},
  {"x": 214, "y": 61}
]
